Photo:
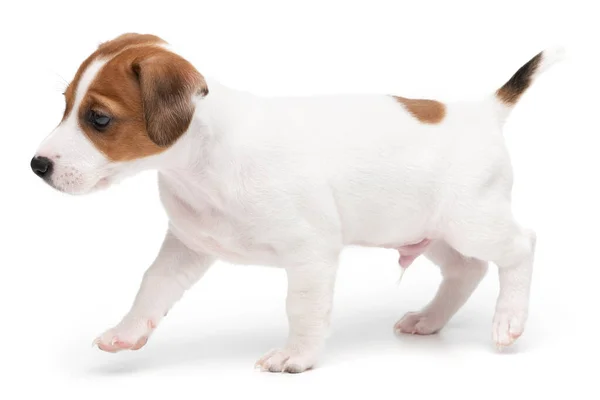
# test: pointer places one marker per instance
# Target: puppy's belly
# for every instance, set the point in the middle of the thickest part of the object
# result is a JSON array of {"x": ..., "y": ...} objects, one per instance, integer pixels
[
  {"x": 408, "y": 252},
  {"x": 228, "y": 248}
]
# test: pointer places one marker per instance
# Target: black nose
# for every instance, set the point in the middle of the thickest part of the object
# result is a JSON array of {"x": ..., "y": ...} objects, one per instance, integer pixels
[{"x": 41, "y": 166}]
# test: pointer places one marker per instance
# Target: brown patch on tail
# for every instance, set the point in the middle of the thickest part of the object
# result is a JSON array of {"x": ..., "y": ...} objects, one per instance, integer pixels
[
  {"x": 513, "y": 89},
  {"x": 426, "y": 111}
]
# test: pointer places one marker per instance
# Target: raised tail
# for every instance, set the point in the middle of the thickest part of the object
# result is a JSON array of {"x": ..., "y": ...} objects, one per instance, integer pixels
[{"x": 509, "y": 94}]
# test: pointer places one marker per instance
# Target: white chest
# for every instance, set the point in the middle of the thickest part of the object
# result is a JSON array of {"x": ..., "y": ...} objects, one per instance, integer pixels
[{"x": 214, "y": 230}]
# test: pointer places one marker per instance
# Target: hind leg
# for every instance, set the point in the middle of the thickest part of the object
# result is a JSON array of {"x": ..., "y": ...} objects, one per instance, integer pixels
[
  {"x": 461, "y": 275},
  {"x": 490, "y": 233}
]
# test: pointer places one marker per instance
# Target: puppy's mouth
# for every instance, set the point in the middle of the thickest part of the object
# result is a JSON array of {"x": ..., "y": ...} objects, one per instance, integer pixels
[
  {"x": 102, "y": 184},
  {"x": 78, "y": 185}
]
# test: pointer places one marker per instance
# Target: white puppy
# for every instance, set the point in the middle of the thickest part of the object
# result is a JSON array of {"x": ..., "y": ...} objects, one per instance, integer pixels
[{"x": 291, "y": 181}]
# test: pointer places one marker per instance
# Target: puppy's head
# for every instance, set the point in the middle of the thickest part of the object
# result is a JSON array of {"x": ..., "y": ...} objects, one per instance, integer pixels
[{"x": 129, "y": 102}]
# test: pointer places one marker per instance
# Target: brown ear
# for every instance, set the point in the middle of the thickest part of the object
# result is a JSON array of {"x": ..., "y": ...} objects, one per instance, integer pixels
[{"x": 167, "y": 84}]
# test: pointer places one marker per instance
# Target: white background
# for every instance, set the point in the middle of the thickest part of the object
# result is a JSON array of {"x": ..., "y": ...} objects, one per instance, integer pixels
[{"x": 71, "y": 265}]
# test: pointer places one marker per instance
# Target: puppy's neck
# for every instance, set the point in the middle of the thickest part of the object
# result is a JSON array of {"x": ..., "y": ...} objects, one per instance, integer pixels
[
  {"x": 206, "y": 148},
  {"x": 225, "y": 109}
]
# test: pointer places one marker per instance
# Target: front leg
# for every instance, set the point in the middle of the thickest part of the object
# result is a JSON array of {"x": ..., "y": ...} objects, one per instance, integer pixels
[
  {"x": 174, "y": 271},
  {"x": 308, "y": 305}
]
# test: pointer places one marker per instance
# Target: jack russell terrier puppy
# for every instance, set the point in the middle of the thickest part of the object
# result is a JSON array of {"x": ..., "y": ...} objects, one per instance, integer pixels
[{"x": 291, "y": 181}]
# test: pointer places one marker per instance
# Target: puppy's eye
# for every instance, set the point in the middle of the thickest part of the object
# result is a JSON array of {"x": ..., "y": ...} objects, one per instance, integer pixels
[{"x": 99, "y": 121}]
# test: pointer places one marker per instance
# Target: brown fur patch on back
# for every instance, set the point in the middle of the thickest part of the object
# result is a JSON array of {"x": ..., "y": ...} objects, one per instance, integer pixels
[
  {"x": 426, "y": 111},
  {"x": 513, "y": 89}
]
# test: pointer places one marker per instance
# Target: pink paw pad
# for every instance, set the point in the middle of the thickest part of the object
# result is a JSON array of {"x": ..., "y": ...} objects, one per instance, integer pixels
[
  {"x": 416, "y": 323},
  {"x": 112, "y": 341},
  {"x": 114, "y": 345}
]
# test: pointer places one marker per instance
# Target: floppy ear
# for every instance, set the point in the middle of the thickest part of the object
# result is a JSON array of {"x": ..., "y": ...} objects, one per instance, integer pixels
[{"x": 167, "y": 84}]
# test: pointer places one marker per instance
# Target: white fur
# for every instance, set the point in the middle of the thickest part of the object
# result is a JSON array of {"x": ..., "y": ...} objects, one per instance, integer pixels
[
  {"x": 79, "y": 165},
  {"x": 290, "y": 181}
]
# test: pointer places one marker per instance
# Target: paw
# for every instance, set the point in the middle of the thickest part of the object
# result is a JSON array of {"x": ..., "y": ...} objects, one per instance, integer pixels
[
  {"x": 128, "y": 335},
  {"x": 287, "y": 360},
  {"x": 419, "y": 323},
  {"x": 508, "y": 325}
]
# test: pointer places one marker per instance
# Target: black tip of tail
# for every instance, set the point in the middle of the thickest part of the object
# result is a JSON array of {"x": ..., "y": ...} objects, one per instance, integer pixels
[{"x": 513, "y": 89}]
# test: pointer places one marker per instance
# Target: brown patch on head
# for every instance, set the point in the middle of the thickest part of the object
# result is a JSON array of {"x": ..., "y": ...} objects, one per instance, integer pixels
[
  {"x": 105, "y": 50},
  {"x": 512, "y": 90},
  {"x": 426, "y": 111},
  {"x": 112, "y": 47},
  {"x": 167, "y": 83},
  {"x": 147, "y": 92}
]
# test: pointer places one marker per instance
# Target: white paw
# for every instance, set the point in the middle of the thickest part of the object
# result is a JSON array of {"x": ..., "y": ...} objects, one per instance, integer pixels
[
  {"x": 419, "y": 323},
  {"x": 130, "y": 334},
  {"x": 508, "y": 325},
  {"x": 287, "y": 360}
]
